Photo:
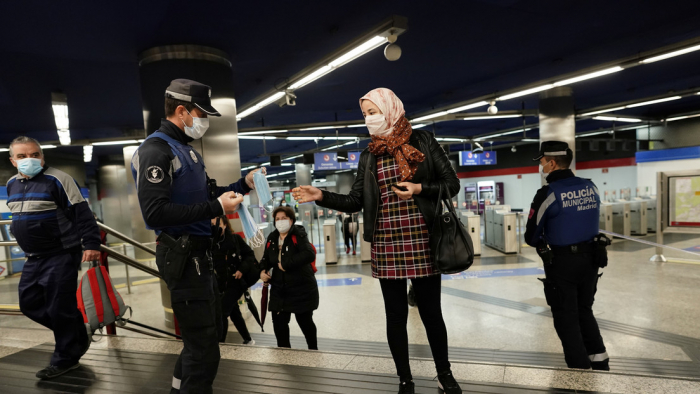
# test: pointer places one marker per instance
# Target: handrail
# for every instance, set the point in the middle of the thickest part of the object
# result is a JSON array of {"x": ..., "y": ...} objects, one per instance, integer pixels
[
  {"x": 123, "y": 237},
  {"x": 130, "y": 262}
]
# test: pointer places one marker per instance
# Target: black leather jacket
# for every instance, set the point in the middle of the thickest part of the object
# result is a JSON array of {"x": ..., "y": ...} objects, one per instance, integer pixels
[{"x": 434, "y": 171}]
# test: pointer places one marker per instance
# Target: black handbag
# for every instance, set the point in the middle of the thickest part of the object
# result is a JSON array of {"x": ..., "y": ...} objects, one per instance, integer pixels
[{"x": 450, "y": 245}]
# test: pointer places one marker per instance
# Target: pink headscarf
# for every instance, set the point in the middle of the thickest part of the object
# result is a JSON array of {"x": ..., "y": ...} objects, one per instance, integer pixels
[
  {"x": 390, "y": 105},
  {"x": 396, "y": 143}
]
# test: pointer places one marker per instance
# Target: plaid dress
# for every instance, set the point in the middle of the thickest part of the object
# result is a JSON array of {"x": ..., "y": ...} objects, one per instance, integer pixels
[{"x": 401, "y": 246}]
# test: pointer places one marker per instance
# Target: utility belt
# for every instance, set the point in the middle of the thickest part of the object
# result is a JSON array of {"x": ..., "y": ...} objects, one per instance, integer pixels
[
  {"x": 179, "y": 253},
  {"x": 596, "y": 247}
]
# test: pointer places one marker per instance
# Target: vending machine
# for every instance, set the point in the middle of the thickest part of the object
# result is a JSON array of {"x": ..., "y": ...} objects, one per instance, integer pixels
[
  {"x": 471, "y": 200},
  {"x": 489, "y": 193}
]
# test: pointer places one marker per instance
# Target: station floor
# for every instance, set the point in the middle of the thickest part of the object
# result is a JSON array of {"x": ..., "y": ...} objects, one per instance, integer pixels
[{"x": 496, "y": 317}]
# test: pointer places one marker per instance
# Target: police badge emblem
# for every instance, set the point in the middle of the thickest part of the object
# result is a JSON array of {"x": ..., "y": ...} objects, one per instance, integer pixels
[
  {"x": 194, "y": 157},
  {"x": 155, "y": 174}
]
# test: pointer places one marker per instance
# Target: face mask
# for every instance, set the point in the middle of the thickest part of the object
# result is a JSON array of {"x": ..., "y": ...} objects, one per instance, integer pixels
[
  {"x": 198, "y": 128},
  {"x": 253, "y": 235},
  {"x": 262, "y": 187},
  {"x": 376, "y": 124},
  {"x": 29, "y": 166},
  {"x": 283, "y": 225},
  {"x": 542, "y": 168}
]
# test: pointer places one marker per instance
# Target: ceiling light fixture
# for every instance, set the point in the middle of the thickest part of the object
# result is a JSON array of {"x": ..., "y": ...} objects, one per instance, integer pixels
[
  {"x": 435, "y": 115},
  {"x": 589, "y": 76},
  {"x": 263, "y": 132},
  {"x": 59, "y": 104},
  {"x": 653, "y": 101},
  {"x": 256, "y": 137},
  {"x": 617, "y": 119},
  {"x": 526, "y": 92},
  {"x": 124, "y": 142},
  {"x": 491, "y": 117},
  {"x": 467, "y": 107},
  {"x": 670, "y": 54},
  {"x": 87, "y": 153},
  {"x": 682, "y": 117},
  {"x": 603, "y": 111}
]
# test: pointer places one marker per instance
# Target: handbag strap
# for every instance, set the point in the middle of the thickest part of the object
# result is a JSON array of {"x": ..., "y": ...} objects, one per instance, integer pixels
[{"x": 443, "y": 201}]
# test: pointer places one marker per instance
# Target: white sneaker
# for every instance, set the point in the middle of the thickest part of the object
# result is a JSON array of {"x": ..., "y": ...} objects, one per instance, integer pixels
[{"x": 251, "y": 342}]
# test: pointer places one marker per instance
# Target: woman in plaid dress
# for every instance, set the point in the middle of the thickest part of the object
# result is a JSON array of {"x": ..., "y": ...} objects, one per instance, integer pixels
[{"x": 398, "y": 180}]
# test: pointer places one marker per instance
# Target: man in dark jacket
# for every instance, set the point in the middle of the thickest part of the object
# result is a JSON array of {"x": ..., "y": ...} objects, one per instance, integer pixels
[
  {"x": 564, "y": 216},
  {"x": 52, "y": 223}
]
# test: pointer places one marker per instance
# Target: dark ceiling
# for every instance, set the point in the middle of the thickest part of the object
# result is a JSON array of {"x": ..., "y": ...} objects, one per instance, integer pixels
[{"x": 453, "y": 51}]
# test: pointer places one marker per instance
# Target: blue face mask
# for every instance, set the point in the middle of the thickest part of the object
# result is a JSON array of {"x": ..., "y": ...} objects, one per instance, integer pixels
[
  {"x": 250, "y": 229},
  {"x": 262, "y": 187},
  {"x": 29, "y": 166}
]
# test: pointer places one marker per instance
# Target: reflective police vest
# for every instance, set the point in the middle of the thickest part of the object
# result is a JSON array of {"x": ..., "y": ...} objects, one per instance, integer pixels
[
  {"x": 189, "y": 185},
  {"x": 574, "y": 216}
]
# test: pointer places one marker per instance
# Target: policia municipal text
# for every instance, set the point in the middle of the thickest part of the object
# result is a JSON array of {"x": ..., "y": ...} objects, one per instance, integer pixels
[
  {"x": 178, "y": 201},
  {"x": 563, "y": 226}
]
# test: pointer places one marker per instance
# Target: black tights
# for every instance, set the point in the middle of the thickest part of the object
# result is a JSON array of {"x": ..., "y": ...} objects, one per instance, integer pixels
[
  {"x": 427, "y": 292},
  {"x": 280, "y": 322}
]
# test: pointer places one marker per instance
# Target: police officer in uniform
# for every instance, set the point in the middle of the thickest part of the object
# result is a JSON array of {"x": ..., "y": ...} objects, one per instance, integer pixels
[
  {"x": 563, "y": 226},
  {"x": 178, "y": 201}
]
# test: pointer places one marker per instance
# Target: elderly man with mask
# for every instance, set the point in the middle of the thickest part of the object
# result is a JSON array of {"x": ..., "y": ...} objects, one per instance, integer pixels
[
  {"x": 52, "y": 223},
  {"x": 178, "y": 201}
]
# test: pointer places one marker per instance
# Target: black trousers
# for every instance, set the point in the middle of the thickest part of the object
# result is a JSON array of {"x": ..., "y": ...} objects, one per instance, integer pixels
[
  {"x": 197, "y": 308},
  {"x": 427, "y": 292},
  {"x": 349, "y": 236},
  {"x": 280, "y": 322},
  {"x": 47, "y": 295},
  {"x": 570, "y": 288},
  {"x": 230, "y": 309}
]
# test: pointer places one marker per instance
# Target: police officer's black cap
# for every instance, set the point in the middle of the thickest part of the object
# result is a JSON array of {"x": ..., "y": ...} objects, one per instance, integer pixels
[
  {"x": 192, "y": 92},
  {"x": 553, "y": 148}
]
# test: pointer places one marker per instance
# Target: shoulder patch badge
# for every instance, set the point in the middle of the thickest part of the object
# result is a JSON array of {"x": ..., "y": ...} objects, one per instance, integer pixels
[
  {"x": 155, "y": 174},
  {"x": 193, "y": 156}
]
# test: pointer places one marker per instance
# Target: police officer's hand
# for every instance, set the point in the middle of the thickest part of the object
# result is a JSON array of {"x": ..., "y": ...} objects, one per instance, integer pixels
[
  {"x": 91, "y": 255},
  {"x": 307, "y": 194},
  {"x": 412, "y": 188},
  {"x": 230, "y": 201},
  {"x": 238, "y": 275},
  {"x": 264, "y": 276},
  {"x": 280, "y": 267},
  {"x": 249, "y": 176}
]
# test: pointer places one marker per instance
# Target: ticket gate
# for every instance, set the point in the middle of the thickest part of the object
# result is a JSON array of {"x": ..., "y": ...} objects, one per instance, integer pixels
[
  {"x": 638, "y": 217},
  {"x": 651, "y": 212},
  {"x": 606, "y": 217},
  {"x": 621, "y": 218},
  {"x": 330, "y": 243},
  {"x": 500, "y": 229},
  {"x": 472, "y": 223},
  {"x": 365, "y": 247}
]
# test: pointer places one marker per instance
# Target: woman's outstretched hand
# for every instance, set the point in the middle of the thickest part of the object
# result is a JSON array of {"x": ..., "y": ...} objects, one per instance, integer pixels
[{"x": 307, "y": 194}]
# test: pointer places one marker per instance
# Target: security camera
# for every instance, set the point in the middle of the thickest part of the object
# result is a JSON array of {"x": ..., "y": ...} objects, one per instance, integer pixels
[
  {"x": 513, "y": 149},
  {"x": 289, "y": 99},
  {"x": 392, "y": 52},
  {"x": 493, "y": 110},
  {"x": 477, "y": 148}
]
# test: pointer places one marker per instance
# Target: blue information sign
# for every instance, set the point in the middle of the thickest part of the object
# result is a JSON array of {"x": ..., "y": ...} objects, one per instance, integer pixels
[
  {"x": 467, "y": 158},
  {"x": 325, "y": 161}
]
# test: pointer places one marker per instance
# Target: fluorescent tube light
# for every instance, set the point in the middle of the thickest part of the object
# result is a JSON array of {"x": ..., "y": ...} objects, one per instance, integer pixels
[
  {"x": 304, "y": 138},
  {"x": 364, "y": 125},
  {"x": 48, "y": 146},
  {"x": 280, "y": 173},
  {"x": 617, "y": 119},
  {"x": 4, "y": 149},
  {"x": 502, "y": 134},
  {"x": 682, "y": 117},
  {"x": 589, "y": 76},
  {"x": 426, "y": 117},
  {"x": 603, "y": 111},
  {"x": 526, "y": 92},
  {"x": 256, "y": 137},
  {"x": 491, "y": 117},
  {"x": 259, "y": 105},
  {"x": 468, "y": 106},
  {"x": 358, "y": 51},
  {"x": 653, "y": 101},
  {"x": 451, "y": 139},
  {"x": 340, "y": 138},
  {"x": 671, "y": 54},
  {"x": 263, "y": 132},
  {"x": 87, "y": 153},
  {"x": 593, "y": 133},
  {"x": 60, "y": 115},
  {"x": 418, "y": 126},
  {"x": 321, "y": 128},
  {"x": 124, "y": 142},
  {"x": 311, "y": 77},
  {"x": 293, "y": 157}
]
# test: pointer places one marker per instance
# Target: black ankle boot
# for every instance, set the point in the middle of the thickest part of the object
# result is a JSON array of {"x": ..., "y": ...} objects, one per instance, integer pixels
[
  {"x": 407, "y": 387},
  {"x": 601, "y": 365},
  {"x": 448, "y": 384}
]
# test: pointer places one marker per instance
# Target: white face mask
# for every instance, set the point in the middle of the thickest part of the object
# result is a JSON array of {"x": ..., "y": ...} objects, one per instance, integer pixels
[
  {"x": 198, "y": 128},
  {"x": 283, "y": 225},
  {"x": 542, "y": 168},
  {"x": 376, "y": 124}
]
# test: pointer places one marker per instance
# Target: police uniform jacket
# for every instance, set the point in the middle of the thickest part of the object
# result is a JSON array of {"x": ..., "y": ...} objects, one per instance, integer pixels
[
  {"x": 565, "y": 212},
  {"x": 295, "y": 289},
  {"x": 49, "y": 215},
  {"x": 171, "y": 182}
]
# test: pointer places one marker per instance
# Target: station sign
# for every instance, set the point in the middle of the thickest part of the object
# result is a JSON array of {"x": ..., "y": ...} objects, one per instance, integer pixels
[
  {"x": 325, "y": 161},
  {"x": 467, "y": 158}
]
